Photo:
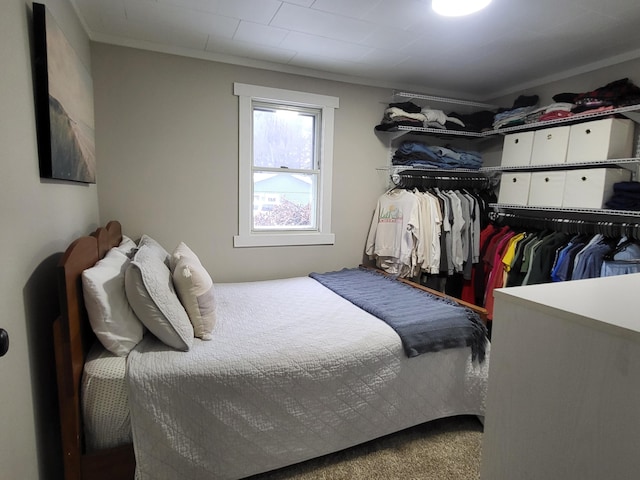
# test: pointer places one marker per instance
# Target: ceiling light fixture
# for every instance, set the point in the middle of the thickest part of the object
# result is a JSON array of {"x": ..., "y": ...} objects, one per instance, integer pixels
[{"x": 458, "y": 8}]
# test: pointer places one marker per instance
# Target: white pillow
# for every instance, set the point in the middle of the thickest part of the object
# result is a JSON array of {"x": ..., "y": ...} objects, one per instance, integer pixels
[
  {"x": 112, "y": 319},
  {"x": 195, "y": 290},
  {"x": 127, "y": 246},
  {"x": 152, "y": 296}
]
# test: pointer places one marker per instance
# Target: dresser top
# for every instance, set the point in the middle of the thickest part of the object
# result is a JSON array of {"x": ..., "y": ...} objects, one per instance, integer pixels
[{"x": 612, "y": 303}]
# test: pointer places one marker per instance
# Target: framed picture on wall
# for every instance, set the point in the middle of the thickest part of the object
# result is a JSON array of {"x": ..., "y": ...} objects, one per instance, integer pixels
[{"x": 64, "y": 104}]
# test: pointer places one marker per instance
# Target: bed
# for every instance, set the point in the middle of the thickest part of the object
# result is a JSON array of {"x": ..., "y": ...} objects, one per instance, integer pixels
[{"x": 292, "y": 371}]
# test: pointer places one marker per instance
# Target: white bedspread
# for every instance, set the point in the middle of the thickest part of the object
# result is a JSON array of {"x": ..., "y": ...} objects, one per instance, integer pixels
[{"x": 293, "y": 372}]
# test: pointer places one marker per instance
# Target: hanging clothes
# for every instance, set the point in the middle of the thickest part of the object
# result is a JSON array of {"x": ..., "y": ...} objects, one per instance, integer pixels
[
  {"x": 513, "y": 257},
  {"x": 545, "y": 255},
  {"x": 473, "y": 290},
  {"x": 426, "y": 232},
  {"x": 623, "y": 260},
  {"x": 563, "y": 268},
  {"x": 589, "y": 259}
]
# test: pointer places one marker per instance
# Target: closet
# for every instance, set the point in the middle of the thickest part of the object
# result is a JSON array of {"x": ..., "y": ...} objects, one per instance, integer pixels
[
  {"x": 559, "y": 190},
  {"x": 552, "y": 179},
  {"x": 567, "y": 352},
  {"x": 432, "y": 155}
]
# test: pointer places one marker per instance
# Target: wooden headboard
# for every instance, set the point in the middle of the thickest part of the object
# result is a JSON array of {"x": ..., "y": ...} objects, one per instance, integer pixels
[{"x": 72, "y": 339}]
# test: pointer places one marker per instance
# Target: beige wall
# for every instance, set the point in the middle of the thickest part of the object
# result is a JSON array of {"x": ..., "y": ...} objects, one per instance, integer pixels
[
  {"x": 39, "y": 218},
  {"x": 168, "y": 148},
  {"x": 168, "y": 144}
]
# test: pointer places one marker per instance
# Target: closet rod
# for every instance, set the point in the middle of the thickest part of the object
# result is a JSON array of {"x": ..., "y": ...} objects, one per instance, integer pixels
[
  {"x": 589, "y": 214},
  {"x": 439, "y": 178},
  {"x": 569, "y": 225},
  {"x": 425, "y": 173}
]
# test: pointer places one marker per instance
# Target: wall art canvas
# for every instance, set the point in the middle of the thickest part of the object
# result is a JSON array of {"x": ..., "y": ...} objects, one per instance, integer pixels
[{"x": 64, "y": 104}]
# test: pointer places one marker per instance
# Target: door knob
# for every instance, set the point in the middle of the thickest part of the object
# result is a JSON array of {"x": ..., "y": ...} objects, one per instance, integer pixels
[{"x": 4, "y": 341}]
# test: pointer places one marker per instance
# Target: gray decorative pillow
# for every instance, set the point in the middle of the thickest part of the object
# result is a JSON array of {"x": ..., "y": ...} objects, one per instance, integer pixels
[
  {"x": 155, "y": 248},
  {"x": 152, "y": 296}
]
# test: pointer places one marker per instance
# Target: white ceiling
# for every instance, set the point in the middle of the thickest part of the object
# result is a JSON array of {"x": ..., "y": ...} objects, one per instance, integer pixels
[{"x": 393, "y": 43}]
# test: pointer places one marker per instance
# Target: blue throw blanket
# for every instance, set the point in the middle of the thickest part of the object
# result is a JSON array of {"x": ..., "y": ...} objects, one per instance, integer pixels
[{"x": 424, "y": 322}]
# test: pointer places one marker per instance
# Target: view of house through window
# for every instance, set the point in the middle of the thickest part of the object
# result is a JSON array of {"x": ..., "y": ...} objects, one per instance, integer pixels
[
  {"x": 285, "y": 167},
  {"x": 285, "y": 163}
]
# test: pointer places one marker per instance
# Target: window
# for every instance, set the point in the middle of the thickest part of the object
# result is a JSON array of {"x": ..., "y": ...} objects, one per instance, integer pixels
[{"x": 285, "y": 165}]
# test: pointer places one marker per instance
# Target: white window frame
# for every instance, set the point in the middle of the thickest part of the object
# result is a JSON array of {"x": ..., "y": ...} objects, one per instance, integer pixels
[{"x": 247, "y": 237}]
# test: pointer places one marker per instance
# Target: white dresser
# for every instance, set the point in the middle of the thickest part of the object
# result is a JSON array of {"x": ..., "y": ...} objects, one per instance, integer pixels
[{"x": 564, "y": 382}]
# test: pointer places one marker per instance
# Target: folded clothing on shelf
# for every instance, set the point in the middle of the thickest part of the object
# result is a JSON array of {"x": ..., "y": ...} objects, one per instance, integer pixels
[
  {"x": 615, "y": 94},
  {"x": 411, "y": 115},
  {"x": 626, "y": 196},
  {"x": 412, "y": 153}
]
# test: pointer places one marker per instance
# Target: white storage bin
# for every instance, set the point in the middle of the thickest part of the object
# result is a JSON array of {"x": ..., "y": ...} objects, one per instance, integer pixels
[
  {"x": 514, "y": 188},
  {"x": 547, "y": 189},
  {"x": 550, "y": 146},
  {"x": 600, "y": 140},
  {"x": 591, "y": 188},
  {"x": 516, "y": 149}
]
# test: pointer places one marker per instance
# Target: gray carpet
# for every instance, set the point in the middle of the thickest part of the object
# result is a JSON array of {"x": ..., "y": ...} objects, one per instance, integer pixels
[{"x": 446, "y": 449}]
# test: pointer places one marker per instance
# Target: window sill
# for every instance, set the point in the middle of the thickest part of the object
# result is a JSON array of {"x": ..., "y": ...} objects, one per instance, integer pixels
[{"x": 283, "y": 240}]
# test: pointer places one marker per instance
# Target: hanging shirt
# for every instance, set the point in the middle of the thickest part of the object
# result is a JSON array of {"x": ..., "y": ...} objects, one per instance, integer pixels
[
  {"x": 465, "y": 230},
  {"x": 581, "y": 258},
  {"x": 529, "y": 259},
  {"x": 475, "y": 222},
  {"x": 457, "y": 226},
  {"x": 446, "y": 257},
  {"x": 430, "y": 229},
  {"x": 496, "y": 277},
  {"x": 393, "y": 232},
  {"x": 509, "y": 255}
]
